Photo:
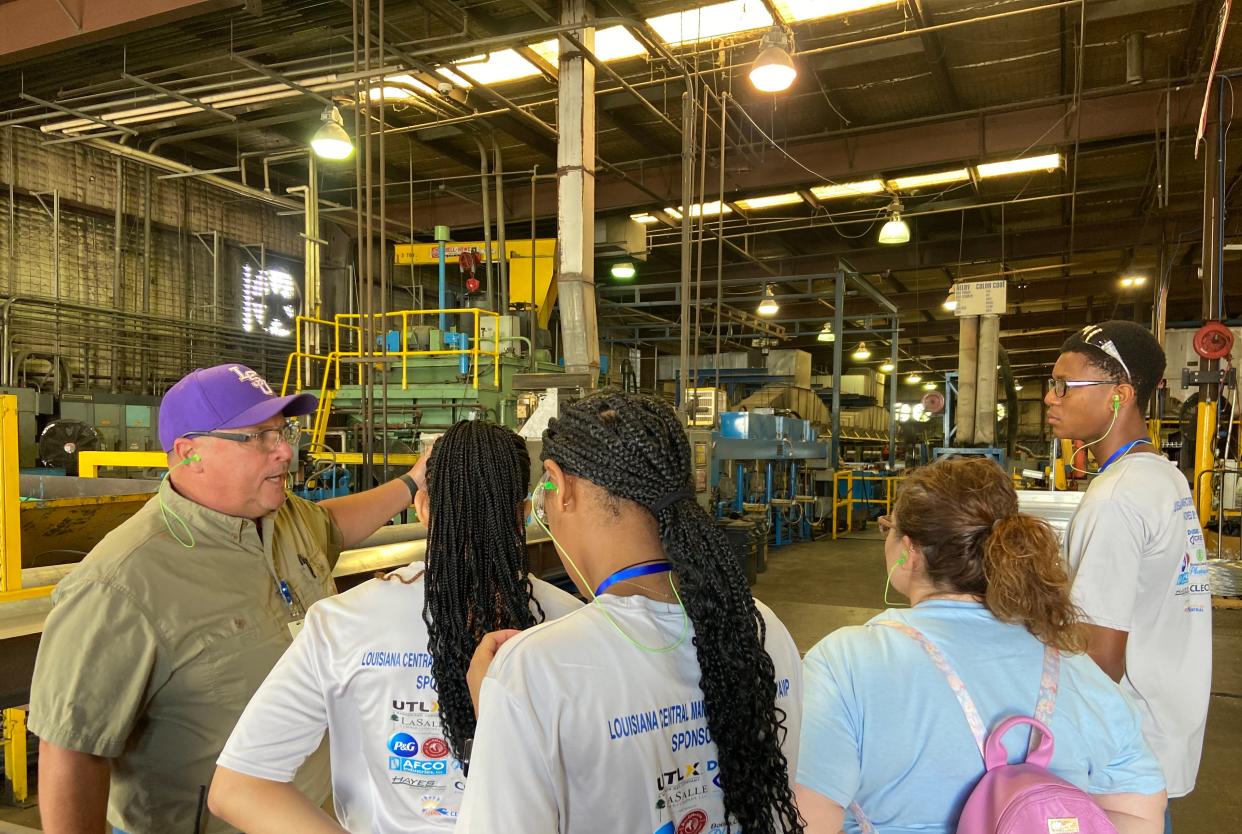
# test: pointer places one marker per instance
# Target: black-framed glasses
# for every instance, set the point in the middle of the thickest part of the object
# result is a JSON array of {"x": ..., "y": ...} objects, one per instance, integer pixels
[
  {"x": 1061, "y": 387},
  {"x": 267, "y": 440}
]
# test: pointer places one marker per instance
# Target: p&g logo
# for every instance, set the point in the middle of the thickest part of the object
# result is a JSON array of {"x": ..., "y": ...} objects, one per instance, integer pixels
[{"x": 403, "y": 745}]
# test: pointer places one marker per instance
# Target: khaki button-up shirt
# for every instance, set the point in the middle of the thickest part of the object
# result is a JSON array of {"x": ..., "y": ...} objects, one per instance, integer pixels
[{"x": 156, "y": 642}]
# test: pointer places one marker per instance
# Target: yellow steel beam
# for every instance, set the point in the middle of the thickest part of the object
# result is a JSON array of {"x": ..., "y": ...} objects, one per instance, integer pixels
[
  {"x": 10, "y": 498},
  {"x": 15, "y": 754},
  {"x": 356, "y": 458},
  {"x": 1205, "y": 434},
  {"x": 89, "y": 463}
]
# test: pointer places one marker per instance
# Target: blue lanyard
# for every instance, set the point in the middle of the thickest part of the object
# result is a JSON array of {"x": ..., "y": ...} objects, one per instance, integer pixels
[
  {"x": 632, "y": 572},
  {"x": 1122, "y": 451}
]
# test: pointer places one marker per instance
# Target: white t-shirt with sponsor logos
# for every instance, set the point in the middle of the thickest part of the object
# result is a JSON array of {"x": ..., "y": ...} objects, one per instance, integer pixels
[
  {"x": 1138, "y": 563},
  {"x": 360, "y": 669},
  {"x": 581, "y": 732}
]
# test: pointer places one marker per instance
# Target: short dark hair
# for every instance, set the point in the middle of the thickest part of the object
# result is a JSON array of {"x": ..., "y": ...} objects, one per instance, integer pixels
[{"x": 1142, "y": 360}]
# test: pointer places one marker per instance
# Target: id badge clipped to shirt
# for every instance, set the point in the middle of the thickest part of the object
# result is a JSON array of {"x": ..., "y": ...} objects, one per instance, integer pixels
[
  {"x": 297, "y": 614},
  {"x": 295, "y": 627}
]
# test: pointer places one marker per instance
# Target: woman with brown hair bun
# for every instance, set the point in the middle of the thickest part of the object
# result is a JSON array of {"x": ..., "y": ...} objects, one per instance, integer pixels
[{"x": 883, "y": 733}]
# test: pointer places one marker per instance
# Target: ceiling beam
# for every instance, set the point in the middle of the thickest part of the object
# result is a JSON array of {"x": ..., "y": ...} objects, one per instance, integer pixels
[{"x": 880, "y": 149}]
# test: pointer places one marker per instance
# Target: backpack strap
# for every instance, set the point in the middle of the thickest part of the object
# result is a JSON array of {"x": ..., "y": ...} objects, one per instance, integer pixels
[
  {"x": 959, "y": 691},
  {"x": 1049, "y": 682},
  {"x": 954, "y": 680}
]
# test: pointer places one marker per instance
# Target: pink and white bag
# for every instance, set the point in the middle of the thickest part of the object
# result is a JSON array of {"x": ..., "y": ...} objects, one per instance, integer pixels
[{"x": 1023, "y": 798}]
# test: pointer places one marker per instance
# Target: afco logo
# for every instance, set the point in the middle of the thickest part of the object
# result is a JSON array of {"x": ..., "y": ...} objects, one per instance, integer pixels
[
  {"x": 421, "y": 767},
  {"x": 403, "y": 745}
]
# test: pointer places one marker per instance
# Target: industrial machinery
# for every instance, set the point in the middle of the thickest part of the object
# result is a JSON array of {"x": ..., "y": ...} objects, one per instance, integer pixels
[{"x": 761, "y": 466}]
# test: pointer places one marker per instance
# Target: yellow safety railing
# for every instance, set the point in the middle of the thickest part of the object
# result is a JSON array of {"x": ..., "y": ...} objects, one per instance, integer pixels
[
  {"x": 346, "y": 343},
  {"x": 89, "y": 463},
  {"x": 13, "y": 735},
  {"x": 847, "y": 501}
]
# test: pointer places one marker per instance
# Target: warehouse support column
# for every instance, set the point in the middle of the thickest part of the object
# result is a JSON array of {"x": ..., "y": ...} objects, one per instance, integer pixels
[
  {"x": 967, "y": 370},
  {"x": 575, "y": 197},
  {"x": 985, "y": 389},
  {"x": 1213, "y": 300}
]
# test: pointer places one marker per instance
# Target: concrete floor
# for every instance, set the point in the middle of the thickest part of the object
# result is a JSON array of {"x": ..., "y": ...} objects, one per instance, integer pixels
[{"x": 821, "y": 586}]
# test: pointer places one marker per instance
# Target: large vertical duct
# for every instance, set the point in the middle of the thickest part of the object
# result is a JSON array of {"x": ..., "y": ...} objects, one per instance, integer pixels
[
  {"x": 575, "y": 197},
  {"x": 985, "y": 391},
  {"x": 967, "y": 369},
  {"x": 502, "y": 257},
  {"x": 1134, "y": 58}
]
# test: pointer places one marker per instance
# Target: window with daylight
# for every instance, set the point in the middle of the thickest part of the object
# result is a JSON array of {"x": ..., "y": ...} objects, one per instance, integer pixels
[{"x": 270, "y": 301}]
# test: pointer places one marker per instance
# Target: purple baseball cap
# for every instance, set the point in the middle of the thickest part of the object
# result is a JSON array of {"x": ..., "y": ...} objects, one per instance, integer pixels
[{"x": 224, "y": 397}]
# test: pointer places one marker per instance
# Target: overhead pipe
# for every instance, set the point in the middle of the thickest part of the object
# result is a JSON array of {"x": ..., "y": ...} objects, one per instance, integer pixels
[
  {"x": 485, "y": 196},
  {"x": 498, "y": 168}
]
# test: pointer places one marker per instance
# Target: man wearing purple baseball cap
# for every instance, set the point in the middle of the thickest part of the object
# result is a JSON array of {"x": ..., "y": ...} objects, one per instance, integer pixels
[{"x": 156, "y": 642}]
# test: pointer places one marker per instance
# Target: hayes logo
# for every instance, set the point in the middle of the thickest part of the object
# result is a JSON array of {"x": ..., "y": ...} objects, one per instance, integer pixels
[
  {"x": 403, "y": 745},
  {"x": 435, "y": 748},
  {"x": 692, "y": 823}
]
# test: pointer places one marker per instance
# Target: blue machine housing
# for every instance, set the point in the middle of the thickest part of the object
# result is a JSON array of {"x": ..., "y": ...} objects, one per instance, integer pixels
[{"x": 777, "y": 441}]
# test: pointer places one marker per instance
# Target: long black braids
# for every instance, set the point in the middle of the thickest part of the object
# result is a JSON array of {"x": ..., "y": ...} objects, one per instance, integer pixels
[
  {"x": 634, "y": 447},
  {"x": 478, "y": 568}
]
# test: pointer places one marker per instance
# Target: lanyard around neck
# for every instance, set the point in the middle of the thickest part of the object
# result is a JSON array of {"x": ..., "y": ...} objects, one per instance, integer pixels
[
  {"x": 633, "y": 572},
  {"x": 1122, "y": 451}
]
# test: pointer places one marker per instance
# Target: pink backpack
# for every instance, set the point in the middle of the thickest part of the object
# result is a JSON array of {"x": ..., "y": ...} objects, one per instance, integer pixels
[{"x": 1021, "y": 798}]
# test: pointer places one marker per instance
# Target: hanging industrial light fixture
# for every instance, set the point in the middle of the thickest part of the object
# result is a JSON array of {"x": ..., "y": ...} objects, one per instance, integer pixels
[
  {"x": 950, "y": 303},
  {"x": 330, "y": 140},
  {"x": 913, "y": 379},
  {"x": 623, "y": 270},
  {"x": 861, "y": 353},
  {"x": 1017, "y": 386},
  {"x": 826, "y": 335},
  {"x": 773, "y": 70},
  {"x": 895, "y": 230},
  {"x": 768, "y": 306},
  {"x": 887, "y": 367},
  {"x": 929, "y": 386}
]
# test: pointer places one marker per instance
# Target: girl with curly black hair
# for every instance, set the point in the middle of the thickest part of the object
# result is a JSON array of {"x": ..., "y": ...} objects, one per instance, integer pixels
[
  {"x": 671, "y": 704},
  {"x": 383, "y": 666}
]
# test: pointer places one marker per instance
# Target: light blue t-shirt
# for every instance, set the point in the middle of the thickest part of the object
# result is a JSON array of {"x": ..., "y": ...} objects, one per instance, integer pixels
[{"x": 880, "y": 725}]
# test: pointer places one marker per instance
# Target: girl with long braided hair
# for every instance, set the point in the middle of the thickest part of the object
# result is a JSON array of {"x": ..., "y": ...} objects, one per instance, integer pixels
[
  {"x": 383, "y": 666},
  {"x": 670, "y": 704}
]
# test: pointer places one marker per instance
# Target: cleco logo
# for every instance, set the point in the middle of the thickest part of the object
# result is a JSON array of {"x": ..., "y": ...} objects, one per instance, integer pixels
[
  {"x": 403, "y": 745},
  {"x": 435, "y": 748}
]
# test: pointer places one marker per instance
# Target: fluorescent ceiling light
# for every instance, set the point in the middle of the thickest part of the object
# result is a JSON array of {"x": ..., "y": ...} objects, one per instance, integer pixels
[
  {"x": 797, "y": 11},
  {"x": 612, "y": 44},
  {"x": 1047, "y": 162},
  {"x": 928, "y": 180},
  {"x": 644, "y": 218},
  {"x": 753, "y": 203},
  {"x": 716, "y": 21},
  {"x": 505, "y": 65},
  {"x": 847, "y": 189},
  {"x": 705, "y": 210}
]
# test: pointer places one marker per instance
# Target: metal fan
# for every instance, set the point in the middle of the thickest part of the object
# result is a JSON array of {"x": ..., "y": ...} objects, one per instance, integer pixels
[{"x": 62, "y": 440}]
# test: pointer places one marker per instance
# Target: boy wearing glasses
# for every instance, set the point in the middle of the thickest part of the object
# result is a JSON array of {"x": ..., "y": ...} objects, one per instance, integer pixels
[
  {"x": 1134, "y": 547},
  {"x": 156, "y": 642}
]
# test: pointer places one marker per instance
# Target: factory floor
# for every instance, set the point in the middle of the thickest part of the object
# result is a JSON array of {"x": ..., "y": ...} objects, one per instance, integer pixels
[{"x": 821, "y": 586}]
